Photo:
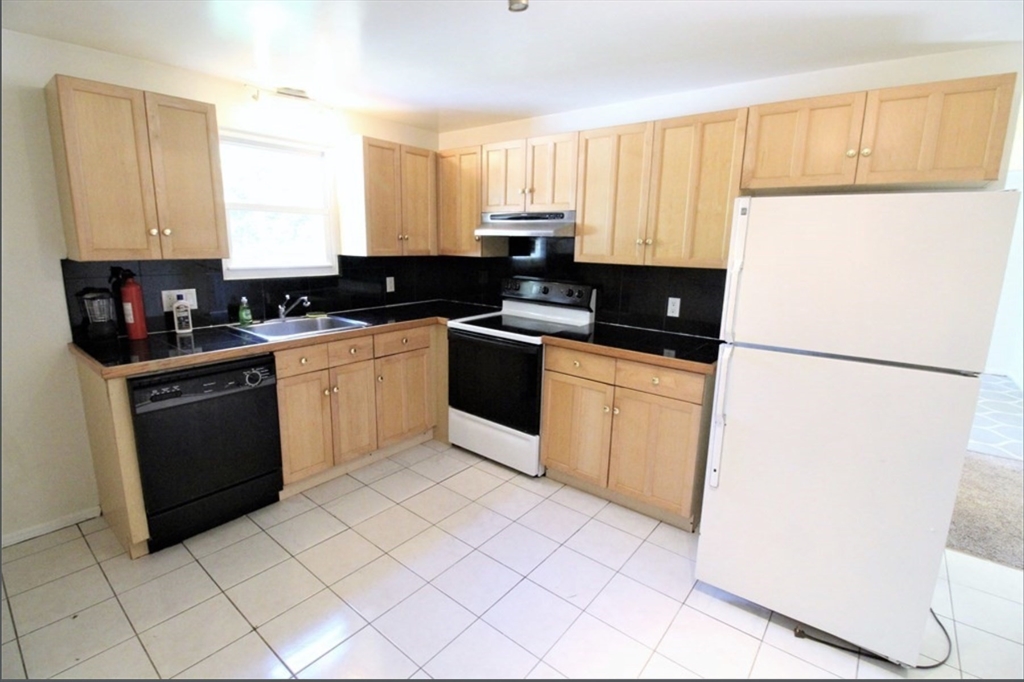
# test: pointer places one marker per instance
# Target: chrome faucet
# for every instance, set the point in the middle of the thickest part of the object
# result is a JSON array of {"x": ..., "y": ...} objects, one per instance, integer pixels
[{"x": 283, "y": 311}]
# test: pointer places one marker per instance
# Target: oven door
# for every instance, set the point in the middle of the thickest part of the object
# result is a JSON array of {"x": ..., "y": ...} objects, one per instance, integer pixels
[{"x": 495, "y": 379}]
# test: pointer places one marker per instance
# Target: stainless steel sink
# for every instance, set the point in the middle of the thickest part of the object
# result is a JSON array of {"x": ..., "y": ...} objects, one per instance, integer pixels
[{"x": 278, "y": 330}]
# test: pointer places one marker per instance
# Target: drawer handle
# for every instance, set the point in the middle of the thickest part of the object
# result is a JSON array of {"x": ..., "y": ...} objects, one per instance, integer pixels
[
  {"x": 655, "y": 381},
  {"x": 615, "y": 410},
  {"x": 352, "y": 350},
  {"x": 327, "y": 392},
  {"x": 303, "y": 361},
  {"x": 575, "y": 363},
  {"x": 380, "y": 378},
  {"x": 607, "y": 409},
  {"x": 405, "y": 340},
  {"x": 334, "y": 390}
]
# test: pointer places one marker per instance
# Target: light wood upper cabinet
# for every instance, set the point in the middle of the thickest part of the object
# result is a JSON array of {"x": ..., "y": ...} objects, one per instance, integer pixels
[
  {"x": 138, "y": 173},
  {"x": 944, "y": 132},
  {"x": 694, "y": 181},
  {"x": 803, "y": 143},
  {"x": 951, "y": 131},
  {"x": 458, "y": 206},
  {"x": 388, "y": 200},
  {"x": 537, "y": 174},
  {"x": 612, "y": 185}
]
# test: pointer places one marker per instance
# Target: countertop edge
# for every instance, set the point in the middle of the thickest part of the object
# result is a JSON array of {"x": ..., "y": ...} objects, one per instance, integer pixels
[{"x": 633, "y": 355}]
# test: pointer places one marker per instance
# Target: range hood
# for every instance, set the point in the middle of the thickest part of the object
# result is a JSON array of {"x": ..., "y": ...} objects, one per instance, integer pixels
[{"x": 549, "y": 224}]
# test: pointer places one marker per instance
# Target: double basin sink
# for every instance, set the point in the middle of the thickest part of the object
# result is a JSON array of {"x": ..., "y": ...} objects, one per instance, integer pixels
[{"x": 298, "y": 327}]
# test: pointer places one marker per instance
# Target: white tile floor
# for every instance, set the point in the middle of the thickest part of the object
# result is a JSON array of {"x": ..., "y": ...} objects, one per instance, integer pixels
[
  {"x": 436, "y": 563},
  {"x": 998, "y": 427}
]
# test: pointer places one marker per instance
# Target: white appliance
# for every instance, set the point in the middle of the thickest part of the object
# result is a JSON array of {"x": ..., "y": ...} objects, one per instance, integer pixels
[
  {"x": 855, "y": 327},
  {"x": 495, "y": 363}
]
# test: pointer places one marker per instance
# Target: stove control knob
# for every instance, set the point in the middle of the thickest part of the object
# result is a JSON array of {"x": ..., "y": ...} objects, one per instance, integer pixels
[
  {"x": 544, "y": 290},
  {"x": 579, "y": 294},
  {"x": 569, "y": 292},
  {"x": 515, "y": 285}
]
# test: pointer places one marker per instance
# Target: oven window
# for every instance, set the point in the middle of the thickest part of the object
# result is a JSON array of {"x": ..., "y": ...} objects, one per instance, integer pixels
[{"x": 495, "y": 379}]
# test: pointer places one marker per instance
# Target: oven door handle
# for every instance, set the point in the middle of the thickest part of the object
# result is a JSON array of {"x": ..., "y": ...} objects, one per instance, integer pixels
[{"x": 499, "y": 342}]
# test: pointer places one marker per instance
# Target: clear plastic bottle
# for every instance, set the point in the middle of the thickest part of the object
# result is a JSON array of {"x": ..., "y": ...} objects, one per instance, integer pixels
[
  {"x": 182, "y": 315},
  {"x": 244, "y": 313}
]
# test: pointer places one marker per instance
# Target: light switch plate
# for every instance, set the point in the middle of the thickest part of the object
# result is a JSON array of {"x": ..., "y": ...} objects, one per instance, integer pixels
[
  {"x": 169, "y": 296},
  {"x": 673, "y": 307},
  {"x": 389, "y": 284}
]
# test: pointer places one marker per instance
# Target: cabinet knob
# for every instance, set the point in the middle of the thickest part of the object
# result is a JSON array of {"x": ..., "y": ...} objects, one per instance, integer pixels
[
  {"x": 649, "y": 242},
  {"x": 615, "y": 410},
  {"x": 303, "y": 361},
  {"x": 352, "y": 350},
  {"x": 607, "y": 409},
  {"x": 405, "y": 340},
  {"x": 399, "y": 237},
  {"x": 575, "y": 363},
  {"x": 154, "y": 232},
  {"x": 866, "y": 151},
  {"x": 530, "y": 191},
  {"x": 655, "y": 381},
  {"x": 327, "y": 392},
  {"x": 380, "y": 378},
  {"x": 850, "y": 153},
  {"x": 476, "y": 238},
  {"x": 522, "y": 190},
  {"x": 639, "y": 242},
  {"x": 167, "y": 232},
  {"x": 405, "y": 237},
  {"x": 334, "y": 390}
]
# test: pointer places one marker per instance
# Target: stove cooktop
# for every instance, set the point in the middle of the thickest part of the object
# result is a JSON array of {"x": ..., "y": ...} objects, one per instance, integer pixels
[{"x": 525, "y": 326}]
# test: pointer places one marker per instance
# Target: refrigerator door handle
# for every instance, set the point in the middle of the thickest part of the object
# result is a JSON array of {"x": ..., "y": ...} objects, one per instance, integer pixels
[
  {"x": 718, "y": 416},
  {"x": 741, "y": 215}
]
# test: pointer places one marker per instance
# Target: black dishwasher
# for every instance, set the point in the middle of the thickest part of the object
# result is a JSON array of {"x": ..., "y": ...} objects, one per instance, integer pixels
[{"x": 208, "y": 443}]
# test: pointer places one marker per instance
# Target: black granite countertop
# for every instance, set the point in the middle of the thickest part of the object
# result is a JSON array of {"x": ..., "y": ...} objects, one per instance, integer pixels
[{"x": 112, "y": 352}]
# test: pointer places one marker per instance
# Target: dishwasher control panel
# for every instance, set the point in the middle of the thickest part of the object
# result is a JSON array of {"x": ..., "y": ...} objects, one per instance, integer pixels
[{"x": 168, "y": 389}]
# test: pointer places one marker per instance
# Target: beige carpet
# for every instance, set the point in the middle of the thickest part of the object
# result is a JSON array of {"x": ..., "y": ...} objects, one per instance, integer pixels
[{"x": 988, "y": 519}]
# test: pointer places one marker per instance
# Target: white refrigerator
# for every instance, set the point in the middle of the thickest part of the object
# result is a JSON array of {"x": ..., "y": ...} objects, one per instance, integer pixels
[{"x": 855, "y": 327}]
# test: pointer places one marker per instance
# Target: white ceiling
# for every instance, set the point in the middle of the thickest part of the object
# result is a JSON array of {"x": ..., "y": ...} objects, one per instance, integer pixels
[{"x": 451, "y": 64}]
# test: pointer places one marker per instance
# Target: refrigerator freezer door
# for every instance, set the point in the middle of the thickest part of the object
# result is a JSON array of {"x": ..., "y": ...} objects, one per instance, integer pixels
[
  {"x": 906, "y": 278},
  {"x": 835, "y": 491}
]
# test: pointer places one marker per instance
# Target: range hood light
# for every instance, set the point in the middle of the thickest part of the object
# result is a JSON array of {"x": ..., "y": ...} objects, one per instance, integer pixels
[{"x": 518, "y": 5}]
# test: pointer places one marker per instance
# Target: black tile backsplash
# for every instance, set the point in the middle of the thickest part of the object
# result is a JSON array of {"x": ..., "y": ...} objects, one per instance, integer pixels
[{"x": 629, "y": 295}]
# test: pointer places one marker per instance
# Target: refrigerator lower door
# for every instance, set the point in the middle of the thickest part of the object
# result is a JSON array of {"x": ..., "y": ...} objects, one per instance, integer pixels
[{"x": 835, "y": 488}]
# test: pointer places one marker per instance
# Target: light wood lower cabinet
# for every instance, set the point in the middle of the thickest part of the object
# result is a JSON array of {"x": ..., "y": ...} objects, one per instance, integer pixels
[
  {"x": 337, "y": 401},
  {"x": 639, "y": 438}
]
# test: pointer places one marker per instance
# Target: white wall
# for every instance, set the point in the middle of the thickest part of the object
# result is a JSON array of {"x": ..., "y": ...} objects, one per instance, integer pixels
[{"x": 47, "y": 472}]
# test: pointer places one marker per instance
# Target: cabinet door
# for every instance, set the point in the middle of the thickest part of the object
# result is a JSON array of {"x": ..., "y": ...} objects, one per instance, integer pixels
[
  {"x": 419, "y": 202},
  {"x": 504, "y": 176},
  {"x": 353, "y": 404},
  {"x": 185, "y": 149},
  {"x": 654, "y": 449},
  {"x": 612, "y": 185},
  {"x": 804, "y": 143},
  {"x": 952, "y": 131},
  {"x": 383, "y": 177},
  {"x": 551, "y": 172},
  {"x": 458, "y": 208},
  {"x": 104, "y": 170},
  {"x": 304, "y": 408},
  {"x": 695, "y": 179},
  {"x": 404, "y": 396},
  {"x": 576, "y": 426}
]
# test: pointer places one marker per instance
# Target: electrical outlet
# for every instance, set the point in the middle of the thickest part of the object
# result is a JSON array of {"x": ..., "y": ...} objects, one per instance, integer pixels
[
  {"x": 169, "y": 296},
  {"x": 673, "y": 307},
  {"x": 389, "y": 285}
]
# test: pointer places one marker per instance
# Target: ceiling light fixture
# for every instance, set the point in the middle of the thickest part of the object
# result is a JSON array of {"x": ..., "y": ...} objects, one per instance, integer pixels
[{"x": 518, "y": 5}]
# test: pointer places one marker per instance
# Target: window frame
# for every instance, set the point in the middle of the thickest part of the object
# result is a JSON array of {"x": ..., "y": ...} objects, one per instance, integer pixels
[{"x": 331, "y": 212}]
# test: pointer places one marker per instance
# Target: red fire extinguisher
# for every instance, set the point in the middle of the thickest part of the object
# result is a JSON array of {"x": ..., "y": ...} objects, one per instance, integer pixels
[{"x": 131, "y": 301}]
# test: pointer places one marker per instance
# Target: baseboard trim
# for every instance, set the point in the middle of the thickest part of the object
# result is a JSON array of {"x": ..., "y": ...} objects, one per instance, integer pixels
[{"x": 50, "y": 526}]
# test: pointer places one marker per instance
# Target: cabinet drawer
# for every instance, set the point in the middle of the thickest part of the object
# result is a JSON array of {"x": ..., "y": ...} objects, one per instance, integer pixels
[
  {"x": 350, "y": 350},
  {"x": 576, "y": 363},
  {"x": 401, "y": 341},
  {"x": 301, "y": 360},
  {"x": 671, "y": 383}
]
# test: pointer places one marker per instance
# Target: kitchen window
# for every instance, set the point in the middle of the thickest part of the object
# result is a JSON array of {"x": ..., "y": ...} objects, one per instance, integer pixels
[{"x": 280, "y": 208}]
